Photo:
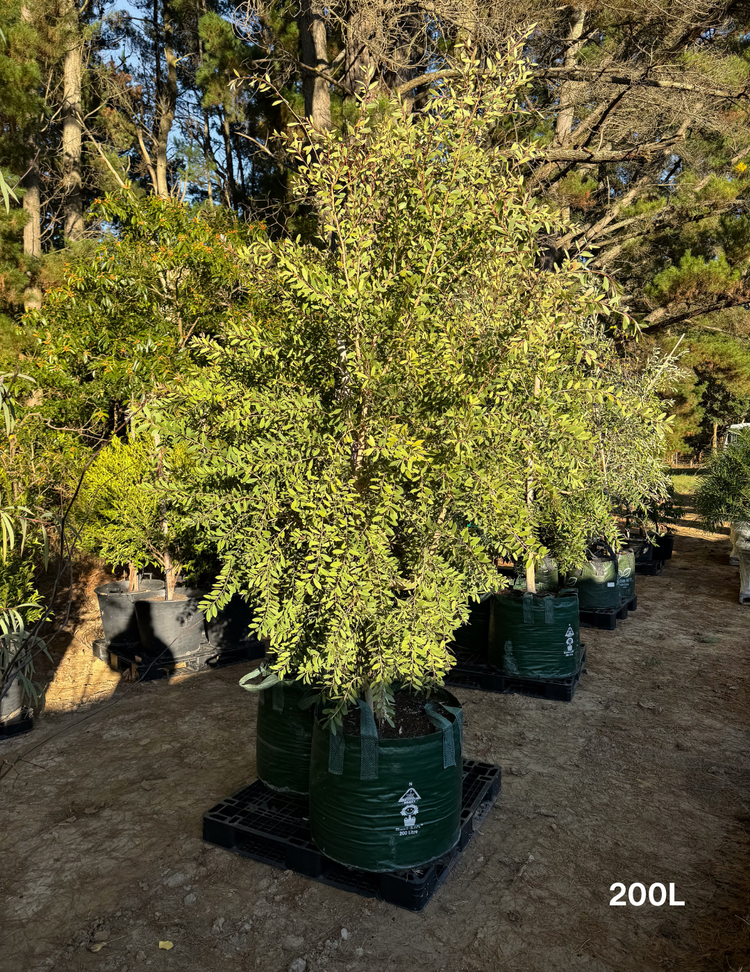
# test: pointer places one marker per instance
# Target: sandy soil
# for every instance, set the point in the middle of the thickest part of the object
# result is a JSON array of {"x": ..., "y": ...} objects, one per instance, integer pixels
[{"x": 643, "y": 777}]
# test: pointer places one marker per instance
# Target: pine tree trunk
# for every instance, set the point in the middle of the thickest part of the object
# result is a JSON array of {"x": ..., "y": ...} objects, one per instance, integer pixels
[
  {"x": 358, "y": 63},
  {"x": 314, "y": 53},
  {"x": 230, "y": 189},
  {"x": 564, "y": 120},
  {"x": 32, "y": 235},
  {"x": 716, "y": 436},
  {"x": 167, "y": 103},
  {"x": 32, "y": 207},
  {"x": 71, "y": 121}
]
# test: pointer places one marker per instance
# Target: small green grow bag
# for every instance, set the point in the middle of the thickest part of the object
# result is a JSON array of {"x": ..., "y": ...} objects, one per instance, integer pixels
[
  {"x": 626, "y": 573},
  {"x": 284, "y": 734},
  {"x": 388, "y": 804},
  {"x": 535, "y": 636},
  {"x": 596, "y": 583}
]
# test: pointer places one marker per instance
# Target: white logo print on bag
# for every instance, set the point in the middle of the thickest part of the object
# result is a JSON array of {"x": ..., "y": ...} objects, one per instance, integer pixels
[
  {"x": 409, "y": 812},
  {"x": 569, "y": 635}
]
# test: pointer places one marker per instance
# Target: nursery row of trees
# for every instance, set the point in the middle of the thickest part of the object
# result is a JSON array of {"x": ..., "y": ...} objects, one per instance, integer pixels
[{"x": 640, "y": 119}]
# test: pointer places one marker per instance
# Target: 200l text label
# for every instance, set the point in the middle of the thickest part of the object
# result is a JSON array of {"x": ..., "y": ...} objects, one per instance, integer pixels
[{"x": 637, "y": 895}]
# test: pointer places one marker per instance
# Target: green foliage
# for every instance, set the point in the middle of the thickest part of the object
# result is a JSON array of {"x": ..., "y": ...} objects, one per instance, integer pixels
[
  {"x": 19, "y": 599},
  {"x": 118, "y": 514},
  {"x": 724, "y": 490},
  {"x": 363, "y": 436},
  {"x": 694, "y": 276},
  {"x": 122, "y": 319}
]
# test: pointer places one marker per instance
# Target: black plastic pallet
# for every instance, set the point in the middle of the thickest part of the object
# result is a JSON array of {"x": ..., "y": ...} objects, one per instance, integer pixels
[
  {"x": 130, "y": 658},
  {"x": 473, "y": 671},
  {"x": 10, "y": 729},
  {"x": 274, "y": 828},
  {"x": 606, "y": 619},
  {"x": 651, "y": 568}
]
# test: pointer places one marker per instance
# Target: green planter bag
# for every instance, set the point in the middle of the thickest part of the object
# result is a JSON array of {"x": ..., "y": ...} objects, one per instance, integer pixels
[
  {"x": 535, "y": 636},
  {"x": 284, "y": 733},
  {"x": 626, "y": 574},
  {"x": 472, "y": 636},
  {"x": 597, "y": 583},
  {"x": 388, "y": 804}
]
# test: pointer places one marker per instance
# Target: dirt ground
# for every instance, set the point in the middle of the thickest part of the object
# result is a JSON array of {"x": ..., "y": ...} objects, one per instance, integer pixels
[{"x": 642, "y": 778}]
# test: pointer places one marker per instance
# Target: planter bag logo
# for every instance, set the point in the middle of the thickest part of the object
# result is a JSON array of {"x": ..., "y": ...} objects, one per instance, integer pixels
[
  {"x": 569, "y": 640},
  {"x": 409, "y": 812}
]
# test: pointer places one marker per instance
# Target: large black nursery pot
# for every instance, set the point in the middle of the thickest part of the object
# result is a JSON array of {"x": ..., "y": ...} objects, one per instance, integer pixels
[
  {"x": 385, "y": 804},
  {"x": 284, "y": 736},
  {"x": 535, "y": 636},
  {"x": 117, "y": 608},
  {"x": 171, "y": 629}
]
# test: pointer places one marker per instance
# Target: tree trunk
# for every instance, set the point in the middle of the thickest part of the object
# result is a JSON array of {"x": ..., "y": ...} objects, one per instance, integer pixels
[
  {"x": 358, "y": 63},
  {"x": 531, "y": 568},
  {"x": 167, "y": 102},
  {"x": 32, "y": 235},
  {"x": 169, "y": 574},
  {"x": 71, "y": 122},
  {"x": 564, "y": 120},
  {"x": 314, "y": 54},
  {"x": 230, "y": 189},
  {"x": 132, "y": 578},
  {"x": 716, "y": 436}
]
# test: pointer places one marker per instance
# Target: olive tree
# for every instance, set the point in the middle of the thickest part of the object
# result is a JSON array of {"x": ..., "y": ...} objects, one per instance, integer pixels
[{"x": 408, "y": 396}]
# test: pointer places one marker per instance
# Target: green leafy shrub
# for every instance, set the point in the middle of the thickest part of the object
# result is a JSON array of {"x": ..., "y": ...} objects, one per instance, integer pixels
[
  {"x": 408, "y": 398},
  {"x": 724, "y": 490}
]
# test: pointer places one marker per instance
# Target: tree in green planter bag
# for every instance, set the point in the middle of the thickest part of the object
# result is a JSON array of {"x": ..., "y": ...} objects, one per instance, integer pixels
[{"x": 362, "y": 440}]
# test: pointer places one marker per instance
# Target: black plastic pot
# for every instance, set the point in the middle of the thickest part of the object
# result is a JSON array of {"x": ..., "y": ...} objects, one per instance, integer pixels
[
  {"x": 171, "y": 629},
  {"x": 387, "y": 804},
  {"x": 117, "y": 608},
  {"x": 229, "y": 629}
]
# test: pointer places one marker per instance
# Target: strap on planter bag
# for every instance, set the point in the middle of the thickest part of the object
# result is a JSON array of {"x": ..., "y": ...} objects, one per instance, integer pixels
[
  {"x": 271, "y": 681},
  {"x": 613, "y": 558},
  {"x": 446, "y": 727},
  {"x": 336, "y": 751},
  {"x": 267, "y": 682},
  {"x": 549, "y": 610},
  {"x": 368, "y": 742},
  {"x": 528, "y": 608}
]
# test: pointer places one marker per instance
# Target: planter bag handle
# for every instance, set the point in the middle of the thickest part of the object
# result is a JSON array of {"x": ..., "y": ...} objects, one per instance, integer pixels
[
  {"x": 528, "y": 608},
  {"x": 446, "y": 727},
  {"x": 368, "y": 742},
  {"x": 336, "y": 751},
  {"x": 368, "y": 746},
  {"x": 549, "y": 610},
  {"x": 612, "y": 557},
  {"x": 271, "y": 681}
]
